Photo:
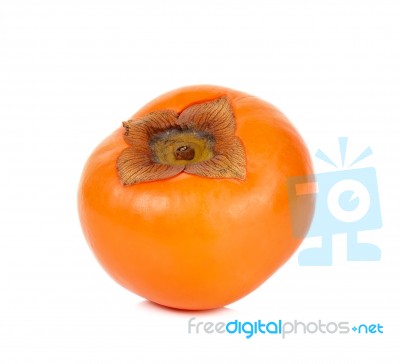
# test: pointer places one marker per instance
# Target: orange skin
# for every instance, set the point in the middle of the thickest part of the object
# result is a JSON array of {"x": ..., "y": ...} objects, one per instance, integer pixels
[{"x": 191, "y": 242}]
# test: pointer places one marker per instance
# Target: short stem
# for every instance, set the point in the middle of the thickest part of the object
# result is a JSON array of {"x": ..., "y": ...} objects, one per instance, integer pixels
[{"x": 184, "y": 152}]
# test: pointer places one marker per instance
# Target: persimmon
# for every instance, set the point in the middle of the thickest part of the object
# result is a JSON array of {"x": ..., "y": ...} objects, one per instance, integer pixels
[{"x": 186, "y": 203}]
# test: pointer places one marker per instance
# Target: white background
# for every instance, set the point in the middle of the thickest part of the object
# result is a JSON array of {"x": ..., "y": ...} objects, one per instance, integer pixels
[{"x": 71, "y": 71}]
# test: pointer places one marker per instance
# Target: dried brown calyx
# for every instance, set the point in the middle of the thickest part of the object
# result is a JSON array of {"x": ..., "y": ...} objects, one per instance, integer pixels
[{"x": 200, "y": 140}]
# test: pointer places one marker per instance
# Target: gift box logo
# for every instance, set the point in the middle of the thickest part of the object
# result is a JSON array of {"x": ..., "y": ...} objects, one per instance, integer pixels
[{"x": 347, "y": 201}]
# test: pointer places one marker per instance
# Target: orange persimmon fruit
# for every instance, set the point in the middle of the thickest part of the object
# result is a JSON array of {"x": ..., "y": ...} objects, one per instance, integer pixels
[{"x": 186, "y": 204}]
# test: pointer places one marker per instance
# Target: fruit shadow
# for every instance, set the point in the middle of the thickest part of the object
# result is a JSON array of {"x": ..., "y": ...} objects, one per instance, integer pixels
[{"x": 151, "y": 307}]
